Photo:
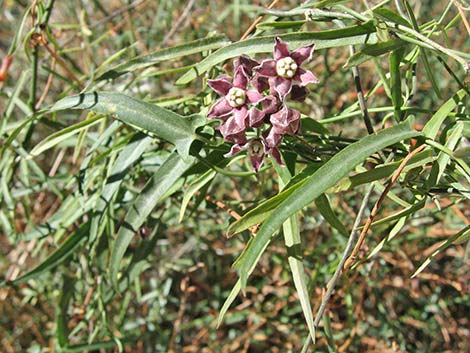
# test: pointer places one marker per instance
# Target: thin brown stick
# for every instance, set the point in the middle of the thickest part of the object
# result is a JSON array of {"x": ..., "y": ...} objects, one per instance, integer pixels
[
  {"x": 47, "y": 87},
  {"x": 258, "y": 20},
  {"x": 177, "y": 25},
  {"x": 462, "y": 15},
  {"x": 62, "y": 64},
  {"x": 349, "y": 262},
  {"x": 179, "y": 319},
  {"x": 230, "y": 211}
]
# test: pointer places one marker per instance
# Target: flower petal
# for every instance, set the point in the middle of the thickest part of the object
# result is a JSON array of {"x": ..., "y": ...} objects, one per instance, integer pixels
[
  {"x": 285, "y": 121},
  {"x": 282, "y": 86},
  {"x": 221, "y": 84},
  {"x": 256, "y": 153},
  {"x": 232, "y": 131},
  {"x": 273, "y": 139},
  {"x": 298, "y": 93},
  {"x": 246, "y": 62},
  {"x": 253, "y": 96},
  {"x": 256, "y": 117},
  {"x": 220, "y": 109},
  {"x": 260, "y": 82},
  {"x": 241, "y": 115},
  {"x": 237, "y": 148},
  {"x": 274, "y": 152},
  {"x": 280, "y": 49},
  {"x": 240, "y": 78},
  {"x": 303, "y": 53},
  {"x": 267, "y": 68},
  {"x": 270, "y": 104},
  {"x": 305, "y": 77}
]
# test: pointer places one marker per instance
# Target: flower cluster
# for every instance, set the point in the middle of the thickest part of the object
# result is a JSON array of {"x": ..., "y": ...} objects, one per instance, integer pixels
[{"x": 264, "y": 107}]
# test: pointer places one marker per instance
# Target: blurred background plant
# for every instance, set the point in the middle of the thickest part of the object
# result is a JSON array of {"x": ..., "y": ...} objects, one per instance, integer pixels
[{"x": 112, "y": 242}]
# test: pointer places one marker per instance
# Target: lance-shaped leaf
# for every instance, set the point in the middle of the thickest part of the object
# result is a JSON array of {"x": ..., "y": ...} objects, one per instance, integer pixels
[
  {"x": 325, "y": 177},
  {"x": 166, "y": 54},
  {"x": 146, "y": 116},
  {"x": 155, "y": 189},
  {"x": 66, "y": 249},
  {"x": 357, "y": 34}
]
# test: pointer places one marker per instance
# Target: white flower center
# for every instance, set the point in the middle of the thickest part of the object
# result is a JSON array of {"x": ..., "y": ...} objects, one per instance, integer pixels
[
  {"x": 256, "y": 149},
  {"x": 236, "y": 97},
  {"x": 286, "y": 67}
]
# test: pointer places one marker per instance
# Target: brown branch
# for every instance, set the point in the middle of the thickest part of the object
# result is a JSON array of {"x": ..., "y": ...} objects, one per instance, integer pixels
[
  {"x": 258, "y": 20},
  {"x": 374, "y": 212}
]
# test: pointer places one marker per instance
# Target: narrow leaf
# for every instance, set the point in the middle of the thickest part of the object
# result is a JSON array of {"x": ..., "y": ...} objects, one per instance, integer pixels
[
  {"x": 293, "y": 243},
  {"x": 325, "y": 177},
  {"x": 168, "y": 174},
  {"x": 56, "y": 258},
  {"x": 159, "y": 121},
  {"x": 193, "y": 188},
  {"x": 432, "y": 127},
  {"x": 63, "y": 134},
  {"x": 357, "y": 34},
  {"x": 166, "y": 54},
  {"x": 372, "y": 51},
  {"x": 323, "y": 206},
  {"x": 462, "y": 235},
  {"x": 126, "y": 158}
]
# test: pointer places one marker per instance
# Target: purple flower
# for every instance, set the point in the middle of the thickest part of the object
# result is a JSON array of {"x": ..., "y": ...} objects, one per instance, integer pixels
[
  {"x": 257, "y": 149},
  {"x": 285, "y": 68},
  {"x": 269, "y": 105},
  {"x": 234, "y": 101},
  {"x": 285, "y": 121},
  {"x": 236, "y": 96}
]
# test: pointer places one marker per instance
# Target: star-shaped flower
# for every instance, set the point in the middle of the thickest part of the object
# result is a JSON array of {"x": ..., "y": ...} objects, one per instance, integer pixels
[
  {"x": 285, "y": 68},
  {"x": 233, "y": 106},
  {"x": 257, "y": 148}
]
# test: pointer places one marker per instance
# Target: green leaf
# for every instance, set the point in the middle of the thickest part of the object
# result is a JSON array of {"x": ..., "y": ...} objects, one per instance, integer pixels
[
  {"x": 159, "y": 121},
  {"x": 443, "y": 159},
  {"x": 124, "y": 161},
  {"x": 293, "y": 243},
  {"x": 461, "y": 236},
  {"x": 166, "y": 54},
  {"x": 396, "y": 56},
  {"x": 386, "y": 170},
  {"x": 59, "y": 136},
  {"x": 193, "y": 188},
  {"x": 167, "y": 175},
  {"x": 357, "y": 34},
  {"x": 70, "y": 210},
  {"x": 281, "y": 25},
  {"x": 323, "y": 206},
  {"x": 264, "y": 209},
  {"x": 61, "y": 316},
  {"x": 432, "y": 127},
  {"x": 228, "y": 302},
  {"x": 261, "y": 212},
  {"x": 312, "y": 187},
  {"x": 389, "y": 15},
  {"x": 372, "y": 51},
  {"x": 60, "y": 255}
]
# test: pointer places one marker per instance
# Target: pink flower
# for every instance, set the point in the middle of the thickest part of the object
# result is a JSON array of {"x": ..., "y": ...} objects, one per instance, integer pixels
[
  {"x": 236, "y": 96},
  {"x": 257, "y": 149},
  {"x": 285, "y": 121},
  {"x": 234, "y": 102},
  {"x": 285, "y": 68},
  {"x": 269, "y": 105}
]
